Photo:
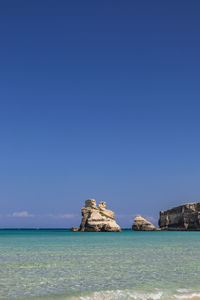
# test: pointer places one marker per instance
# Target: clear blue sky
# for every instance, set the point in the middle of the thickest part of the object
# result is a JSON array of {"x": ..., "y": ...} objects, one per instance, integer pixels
[{"x": 98, "y": 99}]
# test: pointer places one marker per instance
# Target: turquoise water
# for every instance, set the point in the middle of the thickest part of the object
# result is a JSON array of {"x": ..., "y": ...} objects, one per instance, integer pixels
[{"x": 58, "y": 264}]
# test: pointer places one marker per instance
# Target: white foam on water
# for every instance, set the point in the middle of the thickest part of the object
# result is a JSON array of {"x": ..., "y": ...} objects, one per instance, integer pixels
[
  {"x": 122, "y": 295},
  {"x": 129, "y": 295},
  {"x": 187, "y": 296}
]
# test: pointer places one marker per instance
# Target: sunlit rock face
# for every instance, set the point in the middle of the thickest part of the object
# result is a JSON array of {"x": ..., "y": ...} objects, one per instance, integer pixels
[
  {"x": 183, "y": 217},
  {"x": 141, "y": 224},
  {"x": 74, "y": 229},
  {"x": 97, "y": 218}
]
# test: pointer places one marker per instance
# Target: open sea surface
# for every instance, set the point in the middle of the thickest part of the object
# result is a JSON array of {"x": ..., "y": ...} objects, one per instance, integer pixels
[{"x": 58, "y": 264}]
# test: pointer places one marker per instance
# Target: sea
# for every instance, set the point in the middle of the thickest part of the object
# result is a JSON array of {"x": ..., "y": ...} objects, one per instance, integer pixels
[{"x": 57, "y": 264}]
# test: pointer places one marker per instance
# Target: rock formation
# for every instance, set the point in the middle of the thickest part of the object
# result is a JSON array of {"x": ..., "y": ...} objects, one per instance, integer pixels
[
  {"x": 74, "y": 229},
  {"x": 97, "y": 218},
  {"x": 141, "y": 224},
  {"x": 183, "y": 217}
]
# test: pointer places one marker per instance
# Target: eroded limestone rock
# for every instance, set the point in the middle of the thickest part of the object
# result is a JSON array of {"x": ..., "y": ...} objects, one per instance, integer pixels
[
  {"x": 74, "y": 229},
  {"x": 183, "y": 217},
  {"x": 97, "y": 218},
  {"x": 141, "y": 224}
]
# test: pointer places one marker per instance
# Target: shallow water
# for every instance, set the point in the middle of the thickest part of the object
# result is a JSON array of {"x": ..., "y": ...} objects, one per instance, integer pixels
[{"x": 58, "y": 264}]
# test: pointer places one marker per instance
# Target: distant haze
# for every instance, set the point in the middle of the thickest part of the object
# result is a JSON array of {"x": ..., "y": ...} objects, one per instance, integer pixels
[{"x": 98, "y": 99}]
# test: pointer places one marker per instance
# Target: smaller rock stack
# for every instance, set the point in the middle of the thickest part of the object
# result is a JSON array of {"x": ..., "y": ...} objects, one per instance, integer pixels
[
  {"x": 141, "y": 224},
  {"x": 74, "y": 229}
]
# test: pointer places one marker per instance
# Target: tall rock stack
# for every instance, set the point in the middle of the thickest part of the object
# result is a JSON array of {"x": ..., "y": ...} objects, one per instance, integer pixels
[
  {"x": 97, "y": 218},
  {"x": 183, "y": 217}
]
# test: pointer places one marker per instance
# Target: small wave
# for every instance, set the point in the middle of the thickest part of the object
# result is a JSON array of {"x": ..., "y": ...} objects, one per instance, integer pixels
[
  {"x": 122, "y": 295},
  {"x": 188, "y": 296},
  {"x": 129, "y": 295}
]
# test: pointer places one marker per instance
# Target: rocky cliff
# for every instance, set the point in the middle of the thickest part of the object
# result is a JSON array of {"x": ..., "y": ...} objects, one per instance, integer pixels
[
  {"x": 183, "y": 217},
  {"x": 141, "y": 224},
  {"x": 97, "y": 218}
]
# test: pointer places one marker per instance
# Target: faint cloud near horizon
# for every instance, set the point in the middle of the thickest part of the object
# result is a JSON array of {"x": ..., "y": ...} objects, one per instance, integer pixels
[
  {"x": 21, "y": 214},
  {"x": 61, "y": 216},
  {"x": 25, "y": 214}
]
